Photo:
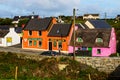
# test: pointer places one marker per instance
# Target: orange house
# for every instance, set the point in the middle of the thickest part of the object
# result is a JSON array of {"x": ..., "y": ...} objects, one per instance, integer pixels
[
  {"x": 45, "y": 34},
  {"x": 59, "y": 37},
  {"x": 35, "y": 33}
]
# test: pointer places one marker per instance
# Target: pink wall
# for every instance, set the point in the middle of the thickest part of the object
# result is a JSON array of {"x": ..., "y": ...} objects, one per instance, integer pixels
[
  {"x": 71, "y": 49},
  {"x": 113, "y": 42},
  {"x": 107, "y": 51}
]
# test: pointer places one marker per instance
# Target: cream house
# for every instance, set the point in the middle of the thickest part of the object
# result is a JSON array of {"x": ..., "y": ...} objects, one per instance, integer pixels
[
  {"x": 9, "y": 37},
  {"x": 91, "y": 16}
]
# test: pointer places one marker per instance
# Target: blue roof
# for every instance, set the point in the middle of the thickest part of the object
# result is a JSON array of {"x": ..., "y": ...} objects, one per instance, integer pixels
[{"x": 99, "y": 23}]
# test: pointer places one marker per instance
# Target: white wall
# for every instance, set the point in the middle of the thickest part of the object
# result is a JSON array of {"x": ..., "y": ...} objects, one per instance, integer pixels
[
  {"x": 91, "y": 17},
  {"x": 3, "y": 42}
]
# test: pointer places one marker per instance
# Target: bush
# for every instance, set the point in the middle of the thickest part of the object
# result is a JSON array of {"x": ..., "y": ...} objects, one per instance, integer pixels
[{"x": 113, "y": 55}]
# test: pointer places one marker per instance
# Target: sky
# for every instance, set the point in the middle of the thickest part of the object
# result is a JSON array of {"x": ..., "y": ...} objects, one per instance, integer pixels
[{"x": 46, "y": 8}]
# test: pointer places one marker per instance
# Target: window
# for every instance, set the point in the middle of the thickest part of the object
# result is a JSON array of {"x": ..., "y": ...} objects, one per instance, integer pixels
[
  {"x": 60, "y": 44},
  {"x": 30, "y": 43},
  {"x": 30, "y": 32},
  {"x": 79, "y": 39},
  {"x": 99, "y": 40},
  {"x": 55, "y": 43},
  {"x": 9, "y": 39},
  {"x": 40, "y": 43},
  {"x": 78, "y": 49},
  {"x": 84, "y": 48},
  {"x": 98, "y": 51},
  {"x": 35, "y": 43},
  {"x": 39, "y": 32}
]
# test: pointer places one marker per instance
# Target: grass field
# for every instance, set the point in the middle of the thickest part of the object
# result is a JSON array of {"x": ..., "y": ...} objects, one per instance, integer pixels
[{"x": 45, "y": 69}]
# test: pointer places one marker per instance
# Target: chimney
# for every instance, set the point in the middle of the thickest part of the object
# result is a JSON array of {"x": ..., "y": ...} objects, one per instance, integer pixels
[
  {"x": 32, "y": 17},
  {"x": 12, "y": 29},
  {"x": 23, "y": 25}
]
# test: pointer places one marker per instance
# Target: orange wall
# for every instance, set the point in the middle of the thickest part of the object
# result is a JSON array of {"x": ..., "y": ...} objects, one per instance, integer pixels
[{"x": 35, "y": 35}]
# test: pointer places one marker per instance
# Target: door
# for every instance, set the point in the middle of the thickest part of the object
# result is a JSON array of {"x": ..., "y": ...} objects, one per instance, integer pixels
[{"x": 50, "y": 46}]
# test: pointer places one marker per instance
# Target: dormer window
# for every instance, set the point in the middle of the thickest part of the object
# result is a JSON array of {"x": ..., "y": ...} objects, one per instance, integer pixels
[
  {"x": 79, "y": 39},
  {"x": 99, "y": 40},
  {"x": 58, "y": 31}
]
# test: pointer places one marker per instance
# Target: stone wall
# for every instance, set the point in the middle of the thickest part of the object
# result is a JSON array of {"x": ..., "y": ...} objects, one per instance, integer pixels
[{"x": 104, "y": 64}]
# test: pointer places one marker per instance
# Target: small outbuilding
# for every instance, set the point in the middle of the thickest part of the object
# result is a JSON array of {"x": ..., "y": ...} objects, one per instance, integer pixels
[{"x": 9, "y": 37}]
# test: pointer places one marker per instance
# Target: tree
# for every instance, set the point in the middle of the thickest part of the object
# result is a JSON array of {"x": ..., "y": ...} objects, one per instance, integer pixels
[
  {"x": 23, "y": 21},
  {"x": 6, "y": 21}
]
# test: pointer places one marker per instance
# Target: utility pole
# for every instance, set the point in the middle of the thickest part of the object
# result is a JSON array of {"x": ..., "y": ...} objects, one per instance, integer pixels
[
  {"x": 105, "y": 15},
  {"x": 74, "y": 34}
]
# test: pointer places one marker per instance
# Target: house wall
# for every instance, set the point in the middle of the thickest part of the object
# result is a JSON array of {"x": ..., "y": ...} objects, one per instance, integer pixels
[
  {"x": 104, "y": 51},
  {"x": 107, "y": 51},
  {"x": 2, "y": 43},
  {"x": 57, "y": 39},
  {"x": 113, "y": 42},
  {"x": 71, "y": 49},
  {"x": 35, "y": 35},
  {"x": 15, "y": 37}
]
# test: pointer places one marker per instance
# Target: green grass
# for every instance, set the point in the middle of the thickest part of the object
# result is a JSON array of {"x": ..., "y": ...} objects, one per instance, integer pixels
[{"x": 46, "y": 69}]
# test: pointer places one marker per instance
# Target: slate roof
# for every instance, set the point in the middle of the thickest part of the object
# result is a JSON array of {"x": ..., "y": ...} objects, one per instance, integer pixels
[
  {"x": 81, "y": 26},
  {"x": 118, "y": 15},
  {"x": 89, "y": 37},
  {"x": 16, "y": 18},
  {"x": 38, "y": 24},
  {"x": 18, "y": 29},
  {"x": 5, "y": 27},
  {"x": 60, "y": 30},
  {"x": 3, "y": 33},
  {"x": 91, "y": 14},
  {"x": 99, "y": 23}
]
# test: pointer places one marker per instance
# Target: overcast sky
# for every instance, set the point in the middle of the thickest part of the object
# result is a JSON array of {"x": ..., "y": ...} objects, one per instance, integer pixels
[{"x": 10, "y": 8}]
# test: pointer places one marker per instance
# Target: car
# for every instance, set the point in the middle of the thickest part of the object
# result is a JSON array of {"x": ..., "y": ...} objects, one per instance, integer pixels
[
  {"x": 81, "y": 53},
  {"x": 50, "y": 53}
]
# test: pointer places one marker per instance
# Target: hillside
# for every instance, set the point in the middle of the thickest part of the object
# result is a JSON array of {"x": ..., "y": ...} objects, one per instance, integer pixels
[{"x": 46, "y": 69}]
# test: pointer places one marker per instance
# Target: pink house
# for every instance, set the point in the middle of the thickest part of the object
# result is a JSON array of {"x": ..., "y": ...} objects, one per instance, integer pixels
[
  {"x": 96, "y": 41},
  {"x": 106, "y": 51}
]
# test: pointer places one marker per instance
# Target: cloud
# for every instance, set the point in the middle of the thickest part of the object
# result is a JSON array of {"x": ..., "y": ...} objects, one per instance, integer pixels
[
  {"x": 41, "y": 7},
  {"x": 58, "y": 7},
  {"x": 52, "y": 6}
]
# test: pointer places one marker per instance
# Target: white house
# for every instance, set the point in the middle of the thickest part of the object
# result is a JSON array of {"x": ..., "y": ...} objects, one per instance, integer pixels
[
  {"x": 118, "y": 17},
  {"x": 9, "y": 37},
  {"x": 91, "y": 16}
]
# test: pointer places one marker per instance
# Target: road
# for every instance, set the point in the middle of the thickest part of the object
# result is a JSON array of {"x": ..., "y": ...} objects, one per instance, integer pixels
[{"x": 18, "y": 49}]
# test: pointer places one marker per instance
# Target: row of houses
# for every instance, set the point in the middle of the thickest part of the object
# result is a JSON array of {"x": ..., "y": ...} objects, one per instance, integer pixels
[{"x": 94, "y": 37}]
